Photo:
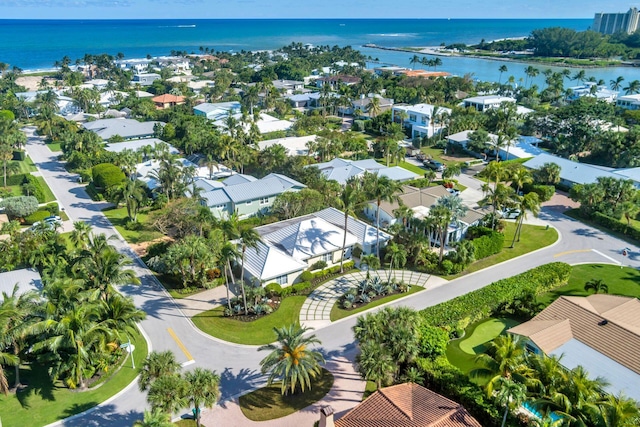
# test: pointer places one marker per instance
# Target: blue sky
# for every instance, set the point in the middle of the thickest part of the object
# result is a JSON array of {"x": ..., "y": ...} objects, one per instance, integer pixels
[{"x": 165, "y": 9}]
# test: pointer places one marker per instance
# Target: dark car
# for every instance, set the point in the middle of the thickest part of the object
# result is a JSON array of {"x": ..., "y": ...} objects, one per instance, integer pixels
[{"x": 432, "y": 164}]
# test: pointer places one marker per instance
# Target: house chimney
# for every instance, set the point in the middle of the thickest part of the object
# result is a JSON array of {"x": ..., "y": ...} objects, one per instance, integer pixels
[{"x": 326, "y": 417}]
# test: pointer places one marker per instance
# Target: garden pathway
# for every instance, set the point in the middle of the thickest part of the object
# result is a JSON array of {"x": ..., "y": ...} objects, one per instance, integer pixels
[{"x": 316, "y": 310}]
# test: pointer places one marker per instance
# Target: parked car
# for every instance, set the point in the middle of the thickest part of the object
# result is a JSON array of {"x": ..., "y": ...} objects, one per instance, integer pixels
[
  {"x": 432, "y": 164},
  {"x": 453, "y": 191},
  {"x": 510, "y": 213},
  {"x": 53, "y": 219}
]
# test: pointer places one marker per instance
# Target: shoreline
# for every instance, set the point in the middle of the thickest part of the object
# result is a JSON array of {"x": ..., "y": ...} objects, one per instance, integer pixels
[{"x": 435, "y": 51}]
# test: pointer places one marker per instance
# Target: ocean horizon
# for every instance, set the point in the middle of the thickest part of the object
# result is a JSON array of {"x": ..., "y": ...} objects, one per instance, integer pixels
[{"x": 37, "y": 44}]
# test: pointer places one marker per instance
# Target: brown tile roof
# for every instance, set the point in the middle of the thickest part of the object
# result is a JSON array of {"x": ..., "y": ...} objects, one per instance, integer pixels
[
  {"x": 167, "y": 98},
  {"x": 424, "y": 73},
  {"x": 607, "y": 323},
  {"x": 407, "y": 405}
]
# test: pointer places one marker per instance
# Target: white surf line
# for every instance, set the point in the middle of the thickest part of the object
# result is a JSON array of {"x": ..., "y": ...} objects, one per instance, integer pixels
[{"x": 606, "y": 256}]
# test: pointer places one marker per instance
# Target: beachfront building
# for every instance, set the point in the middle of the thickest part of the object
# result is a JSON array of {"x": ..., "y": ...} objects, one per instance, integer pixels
[
  {"x": 342, "y": 170},
  {"x": 360, "y": 107},
  {"x": 292, "y": 246},
  {"x": 145, "y": 79},
  {"x": 125, "y": 128},
  {"x": 246, "y": 195},
  {"x": 167, "y": 101},
  {"x": 294, "y": 145},
  {"x": 485, "y": 102},
  {"x": 592, "y": 90},
  {"x": 217, "y": 111},
  {"x": 394, "y": 70},
  {"x": 629, "y": 102},
  {"x": 423, "y": 73},
  {"x": 611, "y": 23},
  {"x": 420, "y": 201},
  {"x": 423, "y": 119},
  {"x": 598, "y": 332}
]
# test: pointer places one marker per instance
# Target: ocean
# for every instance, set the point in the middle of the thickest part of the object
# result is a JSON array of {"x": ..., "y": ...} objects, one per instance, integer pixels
[{"x": 37, "y": 44}]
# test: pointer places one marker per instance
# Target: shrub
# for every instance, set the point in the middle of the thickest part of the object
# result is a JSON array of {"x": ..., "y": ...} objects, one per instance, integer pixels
[
  {"x": 53, "y": 208},
  {"x": 106, "y": 175},
  {"x": 32, "y": 187},
  {"x": 20, "y": 207},
  {"x": 481, "y": 303},
  {"x": 358, "y": 126},
  {"x": 306, "y": 276},
  {"x": 285, "y": 292},
  {"x": 37, "y": 216},
  {"x": 85, "y": 175},
  {"x": 544, "y": 192},
  {"x": 299, "y": 288},
  {"x": 273, "y": 289},
  {"x": 356, "y": 252},
  {"x": 19, "y": 155},
  {"x": 488, "y": 245},
  {"x": 132, "y": 225},
  {"x": 433, "y": 341},
  {"x": 17, "y": 179},
  {"x": 318, "y": 265},
  {"x": 615, "y": 225}
]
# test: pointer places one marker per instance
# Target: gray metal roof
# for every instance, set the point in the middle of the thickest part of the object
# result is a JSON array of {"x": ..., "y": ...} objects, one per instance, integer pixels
[
  {"x": 27, "y": 279},
  {"x": 216, "y": 197},
  {"x": 577, "y": 173},
  {"x": 126, "y": 128},
  {"x": 267, "y": 262},
  {"x": 137, "y": 144},
  {"x": 365, "y": 233},
  {"x": 254, "y": 190},
  {"x": 238, "y": 178}
]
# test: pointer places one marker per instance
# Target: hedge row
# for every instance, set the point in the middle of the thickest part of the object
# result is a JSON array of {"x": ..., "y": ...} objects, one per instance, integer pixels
[
  {"x": 274, "y": 289},
  {"x": 107, "y": 175},
  {"x": 544, "y": 192},
  {"x": 35, "y": 188},
  {"x": 37, "y": 216},
  {"x": 16, "y": 179},
  {"x": 615, "y": 225},
  {"x": 488, "y": 242},
  {"x": 481, "y": 303},
  {"x": 308, "y": 276}
]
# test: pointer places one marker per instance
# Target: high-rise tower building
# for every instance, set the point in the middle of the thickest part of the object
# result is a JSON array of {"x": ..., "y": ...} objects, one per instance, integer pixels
[{"x": 610, "y": 23}]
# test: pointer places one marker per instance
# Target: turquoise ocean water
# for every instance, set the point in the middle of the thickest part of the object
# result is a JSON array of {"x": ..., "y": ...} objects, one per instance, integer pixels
[{"x": 37, "y": 44}]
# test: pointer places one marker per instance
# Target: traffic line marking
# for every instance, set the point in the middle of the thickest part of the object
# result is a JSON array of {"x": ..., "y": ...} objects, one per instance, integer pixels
[
  {"x": 573, "y": 252},
  {"x": 182, "y": 347},
  {"x": 607, "y": 257}
]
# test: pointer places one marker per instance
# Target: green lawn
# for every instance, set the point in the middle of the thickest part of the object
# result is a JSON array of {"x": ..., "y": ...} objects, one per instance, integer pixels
[
  {"x": 533, "y": 237},
  {"x": 462, "y": 352},
  {"x": 268, "y": 403},
  {"x": 26, "y": 165},
  {"x": 44, "y": 401},
  {"x": 54, "y": 147},
  {"x": 48, "y": 194},
  {"x": 438, "y": 153},
  {"x": 258, "y": 332},
  {"x": 621, "y": 281},
  {"x": 118, "y": 218},
  {"x": 338, "y": 313}
]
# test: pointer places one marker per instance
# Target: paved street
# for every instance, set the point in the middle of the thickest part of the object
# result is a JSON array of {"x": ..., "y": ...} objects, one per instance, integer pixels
[{"x": 238, "y": 365}]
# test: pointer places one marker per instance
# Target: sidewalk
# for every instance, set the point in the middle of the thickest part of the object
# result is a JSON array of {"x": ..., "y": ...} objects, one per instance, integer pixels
[
  {"x": 206, "y": 300},
  {"x": 316, "y": 310},
  {"x": 347, "y": 391}
]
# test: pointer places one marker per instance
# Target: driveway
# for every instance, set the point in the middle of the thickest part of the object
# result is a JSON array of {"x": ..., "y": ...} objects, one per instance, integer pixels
[{"x": 167, "y": 328}]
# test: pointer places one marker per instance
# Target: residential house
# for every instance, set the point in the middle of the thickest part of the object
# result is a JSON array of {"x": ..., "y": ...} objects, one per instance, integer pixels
[
  {"x": 523, "y": 147},
  {"x": 167, "y": 101},
  {"x": 125, "y": 128},
  {"x": 217, "y": 111},
  {"x": 199, "y": 85},
  {"x": 629, "y": 102},
  {"x": 335, "y": 81},
  {"x": 295, "y": 145},
  {"x": 112, "y": 97},
  {"x": 379, "y": 71},
  {"x": 342, "y": 170},
  {"x": 423, "y": 119},
  {"x": 147, "y": 170},
  {"x": 600, "y": 333},
  {"x": 265, "y": 124},
  {"x": 308, "y": 100},
  {"x": 288, "y": 86},
  {"x": 360, "y": 107},
  {"x": 407, "y": 405},
  {"x": 420, "y": 201},
  {"x": 137, "y": 144},
  {"x": 27, "y": 279},
  {"x": 65, "y": 104},
  {"x": 248, "y": 196},
  {"x": 292, "y": 246},
  {"x": 145, "y": 79},
  {"x": 485, "y": 102},
  {"x": 592, "y": 90}
]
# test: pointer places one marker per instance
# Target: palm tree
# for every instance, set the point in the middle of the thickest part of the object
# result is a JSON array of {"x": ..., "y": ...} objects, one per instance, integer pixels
[
  {"x": 520, "y": 177},
  {"x": 510, "y": 395},
  {"x": 154, "y": 418},
  {"x": 203, "y": 389},
  {"x": 375, "y": 364},
  {"x": 503, "y": 69},
  {"x": 397, "y": 256},
  {"x": 249, "y": 238},
  {"x": 440, "y": 217},
  {"x": 349, "y": 201},
  {"x": 632, "y": 88},
  {"x": 121, "y": 314},
  {"x": 371, "y": 261},
  {"x": 598, "y": 286},
  {"x": 503, "y": 359},
  {"x": 132, "y": 193},
  {"x": 619, "y": 411},
  {"x": 528, "y": 203},
  {"x": 167, "y": 394},
  {"x": 380, "y": 188},
  {"x": 291, "y": 362},
  {"x": 228, "y": 253},
  {"x": 157, "y": 365},
  {"x": 617, "y": 83},
  {"x": 6, "y": 154},
  {"x": 374, "y": 107}
]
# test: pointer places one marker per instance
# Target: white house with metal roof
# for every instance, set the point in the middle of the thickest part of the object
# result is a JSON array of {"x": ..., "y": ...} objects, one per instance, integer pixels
[
  {"x": 125, "y": 128},
  {"x": 292, "y": 246},
  {"x": 137, "y": 144},
  {"x": 485, "y": 102},
  {"x": 246, "y": 195},
  {"x": 294, "y": 145},
  {"x": 217, "y": 111},
  {"x": 629, "y": 102},
  {"x": 342, "y": 170},
  {"x": 421, "y": 118}
]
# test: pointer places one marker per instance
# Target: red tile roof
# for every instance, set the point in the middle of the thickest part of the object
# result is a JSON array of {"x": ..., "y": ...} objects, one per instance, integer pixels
[
  {"x": 407, "y": 405},
  {"x": 167, "y": 99}
]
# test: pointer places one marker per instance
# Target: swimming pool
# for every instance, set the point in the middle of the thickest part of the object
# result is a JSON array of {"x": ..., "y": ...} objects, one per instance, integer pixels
[{"x": 530, "y": 407}]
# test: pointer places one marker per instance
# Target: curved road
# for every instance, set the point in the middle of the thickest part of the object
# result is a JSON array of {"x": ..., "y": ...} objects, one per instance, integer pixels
[{"x": 168, "y": 329}]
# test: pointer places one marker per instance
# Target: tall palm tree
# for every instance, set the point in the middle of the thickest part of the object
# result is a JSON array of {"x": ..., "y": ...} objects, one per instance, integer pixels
[
  {"x": 371, "y": 261},
  {"x": 598, "y": 286},
  {"x": 528, "y": 203},
  {"x": 503, "y": 69},
  {"x": 619, "y": 411},
  {"x": 510, "y": 395},
  {"x": 380, "y": 188},
  {"x": 154, "y": 418},
  {"x": 440, "y": 217},
  {"x": 616, "y": 84},
  {"x": 348, "y": 201},
  {"x": 503, "y": 359},
  {"x": 203, "y": 389},
  {"x": 520, "y": 177},
  {"x": 397, "y": 256},
  {"x": 375, "y": 364},
  {"x": 121, "y": 314},
  {"x": 132, "y": 193},
  {"x": 167, "y": 394},
  {"x": 374, "y": 108},
  {"x": 292, "y": 363},
  {"x": 632, "y": 88},
  {"x": 249, "y": 238},
  {"x": 157, "y": 365},
  {"x": 228, "y": 253},
  {"x": 6, "y": 154}
]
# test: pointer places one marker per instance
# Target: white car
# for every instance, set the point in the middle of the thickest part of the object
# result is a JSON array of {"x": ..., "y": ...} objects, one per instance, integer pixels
[{"x": 510, "y": 213}]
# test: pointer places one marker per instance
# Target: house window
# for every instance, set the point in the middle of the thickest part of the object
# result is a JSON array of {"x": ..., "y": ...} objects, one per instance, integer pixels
[
  {"x": 281, "y": 280},
  {"x": 327, "y": 258},
  {"x": 412, "y": 117},
  {"x": 249, "y": 202},
  {"x": 530, "y": 348},
  {"x": 264, "y": 200}
]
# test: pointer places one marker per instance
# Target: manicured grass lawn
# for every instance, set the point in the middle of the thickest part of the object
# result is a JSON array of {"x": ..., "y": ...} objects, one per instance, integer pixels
[
  {"x": 44, "y": 401},
  {"x": 26, "y": 165},
  {"x": 268, "y": 403},
  {"x": 369, "y": 389},
  {"x": 338, "y": 313},
  {"x": 258, "y": 332},
  {"x": 118, "y": 218},
  {"x": 54, "y": 147},
  {"x": 462, "y": 352},
  {"x": 621, "y": 281},
  {"x": 533, "y": 237},
  {"x": 412, "y": 168},
  {"x": 48, "y": 194},
  {"x": 437, "y": 154}
]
